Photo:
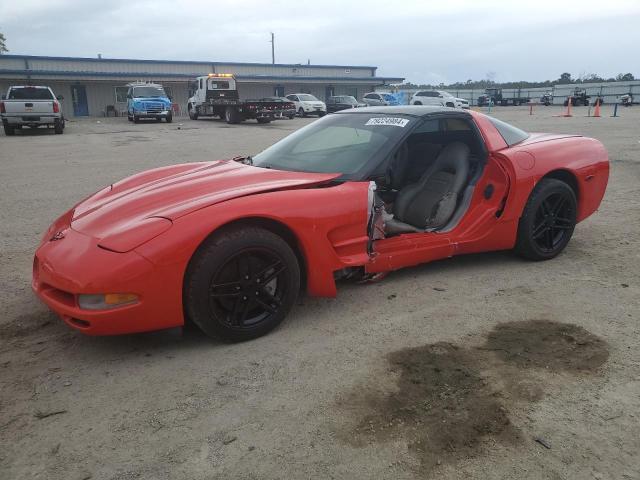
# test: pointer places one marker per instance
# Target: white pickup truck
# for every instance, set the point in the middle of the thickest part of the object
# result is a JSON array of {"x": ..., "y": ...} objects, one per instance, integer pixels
[{"x": 31, "y": 106}]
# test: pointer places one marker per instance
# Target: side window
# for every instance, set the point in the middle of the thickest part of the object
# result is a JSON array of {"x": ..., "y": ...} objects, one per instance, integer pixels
[
  {"x": 429, "y": 126},
  {"x": 422, "y": 94},
  {"x": 455, "y": 125},
  {"x": 511, "y": 134},
  {"x": 368, "y": 95}
]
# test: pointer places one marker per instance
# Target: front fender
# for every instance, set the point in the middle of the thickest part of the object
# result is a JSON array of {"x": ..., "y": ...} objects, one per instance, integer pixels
[{"x": 329, "y": 224}]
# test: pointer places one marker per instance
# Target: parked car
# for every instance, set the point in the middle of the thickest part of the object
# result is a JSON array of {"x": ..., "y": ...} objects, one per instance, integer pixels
[
  {"x": 286, "y": 109},
  {"x": 342, "y": 102},
  {"x": 148, "y": 100},
  {"x": 307, "y": 104},
  {"x": 31, "y": 106},
  {"x": 229, "y": 244},
  {"x": 375, "y": 99},
  {"x": 438, "y": 97}
]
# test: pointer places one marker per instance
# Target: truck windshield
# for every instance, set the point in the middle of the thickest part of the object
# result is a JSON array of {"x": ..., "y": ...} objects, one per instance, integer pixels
[
  {"x": 30, "y": 93},
  {"x": 140, "y": 92},
  {"x": 341, "y": 143}
]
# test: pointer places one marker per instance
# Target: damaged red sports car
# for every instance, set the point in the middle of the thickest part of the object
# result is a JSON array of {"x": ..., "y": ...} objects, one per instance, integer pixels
[{"x": 230, "y": 244}]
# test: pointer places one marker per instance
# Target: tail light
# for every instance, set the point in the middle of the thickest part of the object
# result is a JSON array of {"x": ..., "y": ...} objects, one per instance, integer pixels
[
  {"x": 2, "y": 109},
  {"x": 56, "y": 107}
]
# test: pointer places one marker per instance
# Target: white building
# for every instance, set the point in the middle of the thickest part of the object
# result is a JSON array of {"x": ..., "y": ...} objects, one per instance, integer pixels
[{"x": 90, "y": 86}]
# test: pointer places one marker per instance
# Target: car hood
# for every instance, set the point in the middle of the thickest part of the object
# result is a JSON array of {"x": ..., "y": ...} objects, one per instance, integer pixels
[
  {"x": 313, "y": 103},
  {"x": 175, "y": 191}
]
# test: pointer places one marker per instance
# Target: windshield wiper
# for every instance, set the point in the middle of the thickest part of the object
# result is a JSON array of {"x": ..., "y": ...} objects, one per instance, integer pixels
[{"x": 248, "y": 160}]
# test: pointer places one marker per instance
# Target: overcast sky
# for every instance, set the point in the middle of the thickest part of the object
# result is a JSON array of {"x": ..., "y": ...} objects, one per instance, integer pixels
[{"x": 424, "y": 41}]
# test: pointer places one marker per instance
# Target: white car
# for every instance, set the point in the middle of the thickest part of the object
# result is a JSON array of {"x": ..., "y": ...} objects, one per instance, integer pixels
[
  {"x": 375, "y": 99},
  {"x": 307, "y": 104},
  {"x": 438, "y": 97}
]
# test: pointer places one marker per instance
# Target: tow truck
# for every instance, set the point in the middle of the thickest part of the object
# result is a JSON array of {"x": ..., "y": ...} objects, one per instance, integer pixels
[
  {"x": 216, "y": 95},
  {"x": 495, "y": 96}
]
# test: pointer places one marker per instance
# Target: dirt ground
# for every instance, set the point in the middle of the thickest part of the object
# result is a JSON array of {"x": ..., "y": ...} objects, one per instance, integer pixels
[{"x": 484, "y": 366}]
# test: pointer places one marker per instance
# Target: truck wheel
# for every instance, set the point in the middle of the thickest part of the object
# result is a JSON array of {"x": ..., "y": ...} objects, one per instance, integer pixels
[
  {"x": 263, "y": 120},
  {"x": 169, "y": 118},
  {"x": 58, "y": 127},
  {"x": 301, "y": 112},
  {"x": 8, "y": 131},
  {"x": 231, "y": 115},
  {"x": 193, "y": 115},
  {"x": 136, "y": 119}
]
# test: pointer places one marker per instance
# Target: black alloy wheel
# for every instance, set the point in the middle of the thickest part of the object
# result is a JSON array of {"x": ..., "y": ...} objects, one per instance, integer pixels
[
  {"x": 241, "y": 283},
  {"x": 548, "y": 220}
]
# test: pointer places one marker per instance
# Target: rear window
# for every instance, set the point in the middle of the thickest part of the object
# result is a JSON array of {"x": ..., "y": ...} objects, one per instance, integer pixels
[
  {"x": 511, "y": 134},
  {"x": 27, "y": 93}
]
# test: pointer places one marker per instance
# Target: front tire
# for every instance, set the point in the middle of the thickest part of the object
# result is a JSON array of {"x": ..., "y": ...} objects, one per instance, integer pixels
[
  {"x": 241, "y": 283},
  {"x": 193, "y": 114},
  {"x": 263, "y": 120},
  {"x": 301, "y": 112},
  {"x": 136, "y": 119},
  {"x": 548, "y": 220},
  {"x": 231, "y": 115},
  {"x": 169, "y": 118}
]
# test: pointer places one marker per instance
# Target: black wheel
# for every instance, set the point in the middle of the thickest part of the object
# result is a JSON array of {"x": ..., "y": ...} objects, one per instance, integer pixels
[
  {"x": 548, "y": 220},
  {"x": 241, "y": 283},
  {"x": 169, "y": 118},
  {"x": 136, "y": 119},
  {"x": 193, "y": 114},
  {"x": 301, "y": 112},
  {"x": 58, "y": 127},
  {"x": 417, "y": 103},
  {"x": 263, "y": 120},
  {"x": 231, "y": 115},
  {"x": 321, "y": 114},
  {"x": 449, "y": 104},
  {"x": 291, "y": 117},
  {"x": 129, "y": 118},
  {"x": 586, "y": 103},
  {"x": 8, "y": 131}
]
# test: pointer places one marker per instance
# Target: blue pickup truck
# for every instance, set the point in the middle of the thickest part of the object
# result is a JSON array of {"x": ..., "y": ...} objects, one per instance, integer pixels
[{"x": 148, "y": 100}]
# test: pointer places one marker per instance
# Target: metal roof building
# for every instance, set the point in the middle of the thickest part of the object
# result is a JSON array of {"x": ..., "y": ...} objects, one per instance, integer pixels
[{"x": 90, "y": 85}]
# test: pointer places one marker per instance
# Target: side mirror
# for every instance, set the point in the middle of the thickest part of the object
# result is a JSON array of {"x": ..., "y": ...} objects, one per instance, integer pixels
[
  {"x": 60, "y": 97},
  {"x": 170, "y": 98},
  {"x": 128, "y": 96}
]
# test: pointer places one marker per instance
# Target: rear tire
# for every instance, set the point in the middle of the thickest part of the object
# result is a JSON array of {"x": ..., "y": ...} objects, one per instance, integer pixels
[
  {"x": 241, "y": 283},
  {"x": 231, "y": 115},
  {"x": 58, "y": 127},
  {"x": 548, "y": 220},
  {"x": 193, "y": 114},
  {"x": 8, "y": 131}
]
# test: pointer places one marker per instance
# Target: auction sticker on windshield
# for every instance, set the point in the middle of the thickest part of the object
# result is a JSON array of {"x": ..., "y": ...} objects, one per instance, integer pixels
[{"x": 391, "y": 121}]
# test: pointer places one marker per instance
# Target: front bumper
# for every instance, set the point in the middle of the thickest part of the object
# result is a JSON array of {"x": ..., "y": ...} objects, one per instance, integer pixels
[
  {"x": 146, "y": 114},
  {"x": 74, "y": 265}
]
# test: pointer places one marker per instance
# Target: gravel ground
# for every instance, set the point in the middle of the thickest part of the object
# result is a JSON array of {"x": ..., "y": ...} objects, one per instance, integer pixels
[{"x": 484, "y": 366}]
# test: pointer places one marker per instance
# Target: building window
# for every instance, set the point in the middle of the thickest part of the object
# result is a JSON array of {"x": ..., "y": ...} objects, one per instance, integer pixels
[
  {"x": 347, "y": 70},
  {"x": 121, "y": 94}
]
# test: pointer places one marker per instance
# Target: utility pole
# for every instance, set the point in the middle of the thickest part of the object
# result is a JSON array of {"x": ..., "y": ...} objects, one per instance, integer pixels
[{"x": 273, "y": 49}]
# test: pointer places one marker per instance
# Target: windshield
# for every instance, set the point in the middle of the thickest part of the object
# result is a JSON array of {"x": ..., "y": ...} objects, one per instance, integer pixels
[
  {"x": 307, "y": 98},
  {"x": 30, "y": 93},
  {"x": 350, "y": 100},
  {"x": 342, "y": 143},
  {"x": 139, "y": 92}
]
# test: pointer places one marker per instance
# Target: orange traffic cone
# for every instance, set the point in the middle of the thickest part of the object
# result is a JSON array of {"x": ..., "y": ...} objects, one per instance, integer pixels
[
  {"x": 568, "y": 114},
  {"x": 596, "y": 113}
]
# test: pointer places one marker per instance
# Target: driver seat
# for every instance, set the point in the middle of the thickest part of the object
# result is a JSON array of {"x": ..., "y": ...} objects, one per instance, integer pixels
[{"x": 429, "y": 203}]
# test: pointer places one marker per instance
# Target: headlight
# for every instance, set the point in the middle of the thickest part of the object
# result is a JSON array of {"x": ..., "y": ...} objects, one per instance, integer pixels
[{"x": 106, "y": 301}]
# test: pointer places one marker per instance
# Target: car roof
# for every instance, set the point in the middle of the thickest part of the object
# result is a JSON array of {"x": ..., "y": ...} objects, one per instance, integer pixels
[{"x": 413, "y": 110}]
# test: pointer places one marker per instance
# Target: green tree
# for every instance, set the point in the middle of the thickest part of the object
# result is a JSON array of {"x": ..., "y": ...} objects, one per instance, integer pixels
[
  {"x": 625, "y": 77},
  {"x": 3, "y": 46},
  {"x": 565, "y": 78}
]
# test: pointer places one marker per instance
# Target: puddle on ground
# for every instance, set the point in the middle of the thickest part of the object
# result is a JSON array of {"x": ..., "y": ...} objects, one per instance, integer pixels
[{"x": 446, "y": 404}]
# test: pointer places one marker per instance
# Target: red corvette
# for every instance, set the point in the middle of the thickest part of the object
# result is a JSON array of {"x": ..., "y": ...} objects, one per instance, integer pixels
[{"x": 229, "y": 244}]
